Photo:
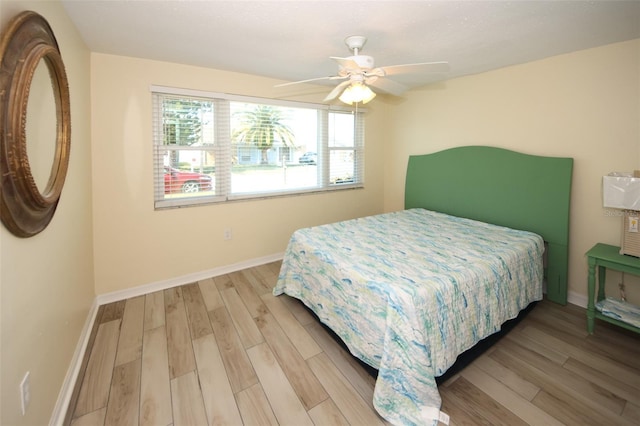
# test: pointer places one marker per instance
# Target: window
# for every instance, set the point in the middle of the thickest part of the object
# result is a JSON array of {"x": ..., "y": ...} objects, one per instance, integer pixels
[{"x": 211, "y": 147}]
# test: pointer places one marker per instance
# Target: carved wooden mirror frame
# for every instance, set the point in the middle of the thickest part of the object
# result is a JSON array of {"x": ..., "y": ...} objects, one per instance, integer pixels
[{"x": 28, "y": 40}]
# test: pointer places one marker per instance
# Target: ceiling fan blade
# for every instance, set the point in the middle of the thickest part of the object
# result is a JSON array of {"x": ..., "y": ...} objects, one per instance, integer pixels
[
  {"x": 370, "y": 79},
  {"x": 416, "y": 68},
  {"x": 333, "y": 77},
  {"x": 336, "y": 91},
  {"x": 346, "y": 63},
  {"x": 389, "y": 86}
]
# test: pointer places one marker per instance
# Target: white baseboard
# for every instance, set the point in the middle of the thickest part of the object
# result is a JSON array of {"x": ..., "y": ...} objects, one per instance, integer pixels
[
  {"x": 185, "y": 279},
  {"x": 64, "y": 397},
  {"x": 69, "y": 383},
  {"x": 572, "y": 297},
  {"x": 577, "y": 299}
]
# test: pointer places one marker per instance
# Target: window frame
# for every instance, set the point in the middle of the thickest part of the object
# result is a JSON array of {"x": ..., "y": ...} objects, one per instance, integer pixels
[{"x": 223, "y": 149}]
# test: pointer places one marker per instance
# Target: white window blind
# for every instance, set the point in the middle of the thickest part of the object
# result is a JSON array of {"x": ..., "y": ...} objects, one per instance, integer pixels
[{"x": 211, "y": 147}]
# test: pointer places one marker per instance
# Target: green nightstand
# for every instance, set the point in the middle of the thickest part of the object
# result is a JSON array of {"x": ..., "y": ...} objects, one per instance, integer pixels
[{"x": 606, "y": 256}]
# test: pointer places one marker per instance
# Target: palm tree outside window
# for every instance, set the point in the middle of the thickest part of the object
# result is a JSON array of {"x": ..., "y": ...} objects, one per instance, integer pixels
[{"x": 262, "y": 126}]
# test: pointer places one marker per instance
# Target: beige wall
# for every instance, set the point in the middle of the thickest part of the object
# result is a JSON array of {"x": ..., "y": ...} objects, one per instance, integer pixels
[
  {"x": 583, "y": 105},
  {"x": 135, "y": 245},
  {"x": 46, "y": 282}
]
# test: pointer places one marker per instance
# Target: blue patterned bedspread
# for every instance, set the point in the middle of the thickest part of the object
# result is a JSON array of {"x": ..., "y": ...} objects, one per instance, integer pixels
[{"x": 409, "y": 291}]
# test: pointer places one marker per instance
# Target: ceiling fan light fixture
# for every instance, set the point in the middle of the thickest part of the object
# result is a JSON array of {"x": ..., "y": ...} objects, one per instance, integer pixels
[
  {"x": 357, "y": 92},
  {"x": 357, "y": 75}
]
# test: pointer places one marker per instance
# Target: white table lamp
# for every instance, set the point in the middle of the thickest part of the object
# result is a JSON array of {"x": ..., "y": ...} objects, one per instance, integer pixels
[{"x": 622, "y": 191}]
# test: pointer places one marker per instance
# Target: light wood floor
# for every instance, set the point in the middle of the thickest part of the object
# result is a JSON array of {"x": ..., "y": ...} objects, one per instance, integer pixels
[{"x": 225, "y": 351}]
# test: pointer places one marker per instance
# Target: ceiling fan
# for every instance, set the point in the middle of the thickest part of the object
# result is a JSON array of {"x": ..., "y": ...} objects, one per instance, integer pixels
[{"x": 357, "y": 73}]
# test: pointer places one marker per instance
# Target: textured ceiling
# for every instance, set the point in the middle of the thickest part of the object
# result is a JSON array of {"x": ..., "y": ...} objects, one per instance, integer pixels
[{"x": 292, "y": 40}]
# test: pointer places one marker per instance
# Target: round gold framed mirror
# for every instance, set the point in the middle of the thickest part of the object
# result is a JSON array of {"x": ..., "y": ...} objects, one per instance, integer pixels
[{"x": 28, "y": 44}]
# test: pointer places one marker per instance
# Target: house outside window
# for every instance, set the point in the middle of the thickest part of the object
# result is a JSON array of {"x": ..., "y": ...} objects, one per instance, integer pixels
[{"x": 212, "y": 148}]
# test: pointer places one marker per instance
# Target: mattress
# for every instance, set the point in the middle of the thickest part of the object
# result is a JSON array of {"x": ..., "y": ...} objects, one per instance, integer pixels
[{"x": 409, "y": 291}]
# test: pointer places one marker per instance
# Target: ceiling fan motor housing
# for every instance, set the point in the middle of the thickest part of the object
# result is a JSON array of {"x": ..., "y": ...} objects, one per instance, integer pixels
[{"x": 365, "y": 62}]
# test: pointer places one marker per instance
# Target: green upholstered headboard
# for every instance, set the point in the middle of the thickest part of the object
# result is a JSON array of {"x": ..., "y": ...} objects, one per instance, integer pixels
[{"x": 502, "y": 187}]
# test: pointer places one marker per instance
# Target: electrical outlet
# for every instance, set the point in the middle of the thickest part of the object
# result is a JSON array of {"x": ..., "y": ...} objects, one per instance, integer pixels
[
  {"x": 227, "y": 234},
  {"x": 25, "y": 392}
]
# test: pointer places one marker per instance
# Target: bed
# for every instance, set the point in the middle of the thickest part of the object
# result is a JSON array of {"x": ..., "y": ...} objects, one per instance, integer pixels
[{"x": 408, "y": 291}]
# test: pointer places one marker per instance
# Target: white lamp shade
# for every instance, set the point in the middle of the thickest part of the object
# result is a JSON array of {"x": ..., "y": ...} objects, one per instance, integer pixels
[
  {"x": 621, "y": 192},
  {"x": 357, "y": 92}
]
